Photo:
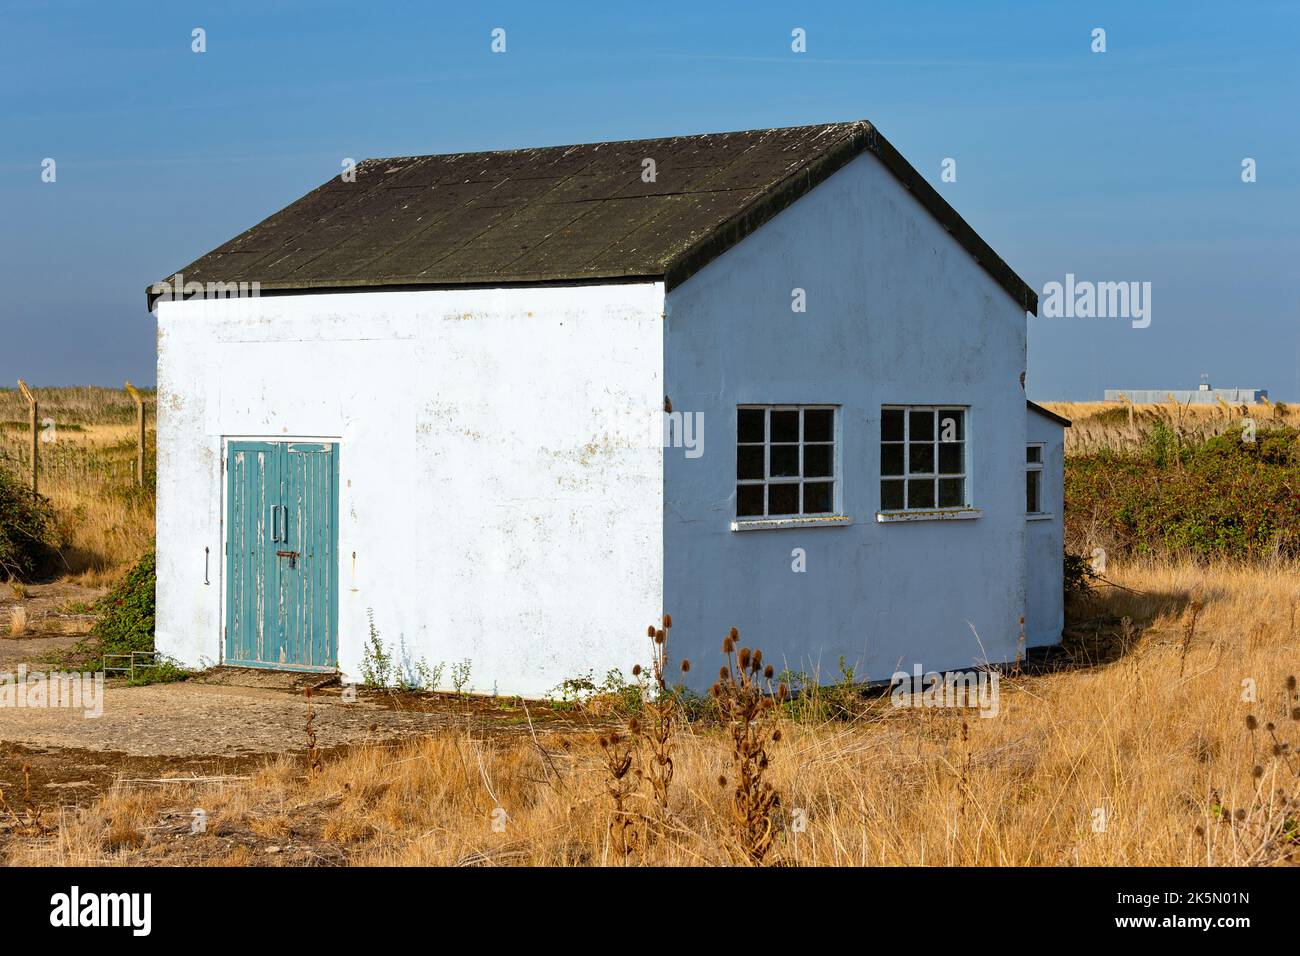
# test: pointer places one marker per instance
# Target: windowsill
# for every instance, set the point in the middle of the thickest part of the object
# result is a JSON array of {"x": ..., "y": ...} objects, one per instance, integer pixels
[
  {"x": 935, "y": 514},
  {"x": 1040, "y": 516},
  {"x": 801, "y": 521}
]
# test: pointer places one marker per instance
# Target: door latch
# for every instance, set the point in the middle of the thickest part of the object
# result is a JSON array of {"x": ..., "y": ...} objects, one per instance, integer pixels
[{"x": 291, "y": 555}]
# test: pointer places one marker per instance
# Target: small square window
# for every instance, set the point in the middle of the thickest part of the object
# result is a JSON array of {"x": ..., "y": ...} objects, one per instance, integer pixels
[
  {"x": 749, "y": 500},
  {"x": 751, "y": 425},
  {"x": 891, "y": 496},
  {"x": 891, "y": 424},
  {"x": 785, "y": 426},
  {"x": 818, "y": 424},
  {"x": 1034, "y": 479},
  {"x": 783, "y": 499}
]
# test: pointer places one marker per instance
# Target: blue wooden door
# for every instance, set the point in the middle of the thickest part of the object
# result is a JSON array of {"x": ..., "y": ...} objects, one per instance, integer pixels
[{"x": 281, "y": 543}]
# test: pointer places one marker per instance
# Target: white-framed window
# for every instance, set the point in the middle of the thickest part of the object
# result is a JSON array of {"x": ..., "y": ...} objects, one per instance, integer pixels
[
  {"x": 923, "y": 457},
  {"x": 785, "y": 460},
  {"x": 1034, "y": 478}
]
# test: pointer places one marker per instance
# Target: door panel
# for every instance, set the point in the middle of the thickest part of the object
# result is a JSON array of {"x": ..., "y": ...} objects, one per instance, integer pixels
[
  {"x": 305, "y": 579},
  {"x": 282, "y": 518}
]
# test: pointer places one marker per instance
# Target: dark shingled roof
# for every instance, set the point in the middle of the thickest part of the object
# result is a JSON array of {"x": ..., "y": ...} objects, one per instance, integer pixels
[{"x": 559, "y": 214}]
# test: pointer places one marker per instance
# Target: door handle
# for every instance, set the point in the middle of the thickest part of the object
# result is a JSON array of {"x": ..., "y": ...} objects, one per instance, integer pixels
[{"x": 275, "y": 523}]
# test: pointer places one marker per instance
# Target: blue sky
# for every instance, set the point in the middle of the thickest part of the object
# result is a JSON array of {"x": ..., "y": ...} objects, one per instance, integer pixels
[{"x": 1115, "y": 166}]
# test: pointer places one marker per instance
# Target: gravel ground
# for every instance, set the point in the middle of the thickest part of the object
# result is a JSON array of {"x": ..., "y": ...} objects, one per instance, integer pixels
[{"x": 190, "y": 719}]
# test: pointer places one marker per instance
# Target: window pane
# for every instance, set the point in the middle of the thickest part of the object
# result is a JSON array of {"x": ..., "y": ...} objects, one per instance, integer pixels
[
  {"x": 1033, "y": 454},
  {"x": 920, "y": 458},
  {"x": 785, "y": 426},
  {"x": 920, "y": 494},
  {"x": 891, "y": 459},
  {"x": 891, "y": 424},
  {"x": 749, "y": 461},
  {"x": 749, "y": 500},
  {"x": 950, "y": 457},
  {"x": 816, "y": 461},
  {"x": 952, "y": 424},
  {"x": 952, "y": 492},
  {"x": 921, "y": 426},
  {"x": 817, "y": 497},
  {"x": 784, "y": 461},
  {"x": 817, "y": 424},
  {"x": 891, "y": 496},
  {"x": 749, "y": 424},
  {"x": 1033, "y": 497},
  {"x": 783, "y": 499}
]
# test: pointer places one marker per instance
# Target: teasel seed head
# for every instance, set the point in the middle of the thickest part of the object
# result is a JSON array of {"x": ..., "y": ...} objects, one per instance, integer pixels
[
  {"x": 668, "y": 620},
  {"x": 686, "y": 666}
]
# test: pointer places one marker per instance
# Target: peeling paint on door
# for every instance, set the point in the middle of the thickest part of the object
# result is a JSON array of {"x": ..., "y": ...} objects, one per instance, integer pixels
[{"x": 281, "y": 543}]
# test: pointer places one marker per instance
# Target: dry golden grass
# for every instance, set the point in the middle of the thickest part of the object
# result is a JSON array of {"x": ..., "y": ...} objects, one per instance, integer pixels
[
  {"x": 1098, "y": 425},
  {"x": 1153, "y": 736},
  {"x": 87, "y": 470}
]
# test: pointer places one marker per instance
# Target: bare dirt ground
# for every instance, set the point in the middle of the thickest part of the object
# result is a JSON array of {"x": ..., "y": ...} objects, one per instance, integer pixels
[{"x": 56, "y": 618}]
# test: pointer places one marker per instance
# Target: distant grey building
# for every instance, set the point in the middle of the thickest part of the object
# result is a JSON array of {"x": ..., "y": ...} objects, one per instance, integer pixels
[{"x": 1204, "y": 395}]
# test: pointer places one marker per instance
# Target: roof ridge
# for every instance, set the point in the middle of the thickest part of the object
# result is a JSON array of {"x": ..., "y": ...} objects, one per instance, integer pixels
[{"x": 612, "y": 142}]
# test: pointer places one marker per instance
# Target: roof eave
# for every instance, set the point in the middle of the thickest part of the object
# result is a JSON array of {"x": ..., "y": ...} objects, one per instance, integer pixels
[
  {"x": 1048, "y": 413},
  {"x": 416, "y": 284}
]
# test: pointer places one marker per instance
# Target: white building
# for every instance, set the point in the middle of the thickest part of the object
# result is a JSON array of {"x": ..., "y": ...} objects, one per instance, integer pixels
[{"x": 445, "y": 406}]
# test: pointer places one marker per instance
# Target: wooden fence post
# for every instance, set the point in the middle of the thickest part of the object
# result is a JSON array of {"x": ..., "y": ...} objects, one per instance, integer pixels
[
  {"x": 139, "y": 424},
  {"x": 31, "y": 401}
]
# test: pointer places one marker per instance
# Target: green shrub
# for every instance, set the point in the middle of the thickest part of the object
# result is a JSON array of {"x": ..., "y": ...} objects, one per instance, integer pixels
[
  {"x": 126, "y": 613},
  {"x": 377, "y": 666},
  {"x": 28, "y": 533},
  {"x": 163, "y": 670},
  {"x": 1220, "y": 498}
]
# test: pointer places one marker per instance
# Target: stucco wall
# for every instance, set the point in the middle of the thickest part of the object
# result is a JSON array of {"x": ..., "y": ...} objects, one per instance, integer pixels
[
  {"x": 500, "y": 485},
  {"x": 1045, "y": 539},
  {"x": 897, "y": 312}
]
